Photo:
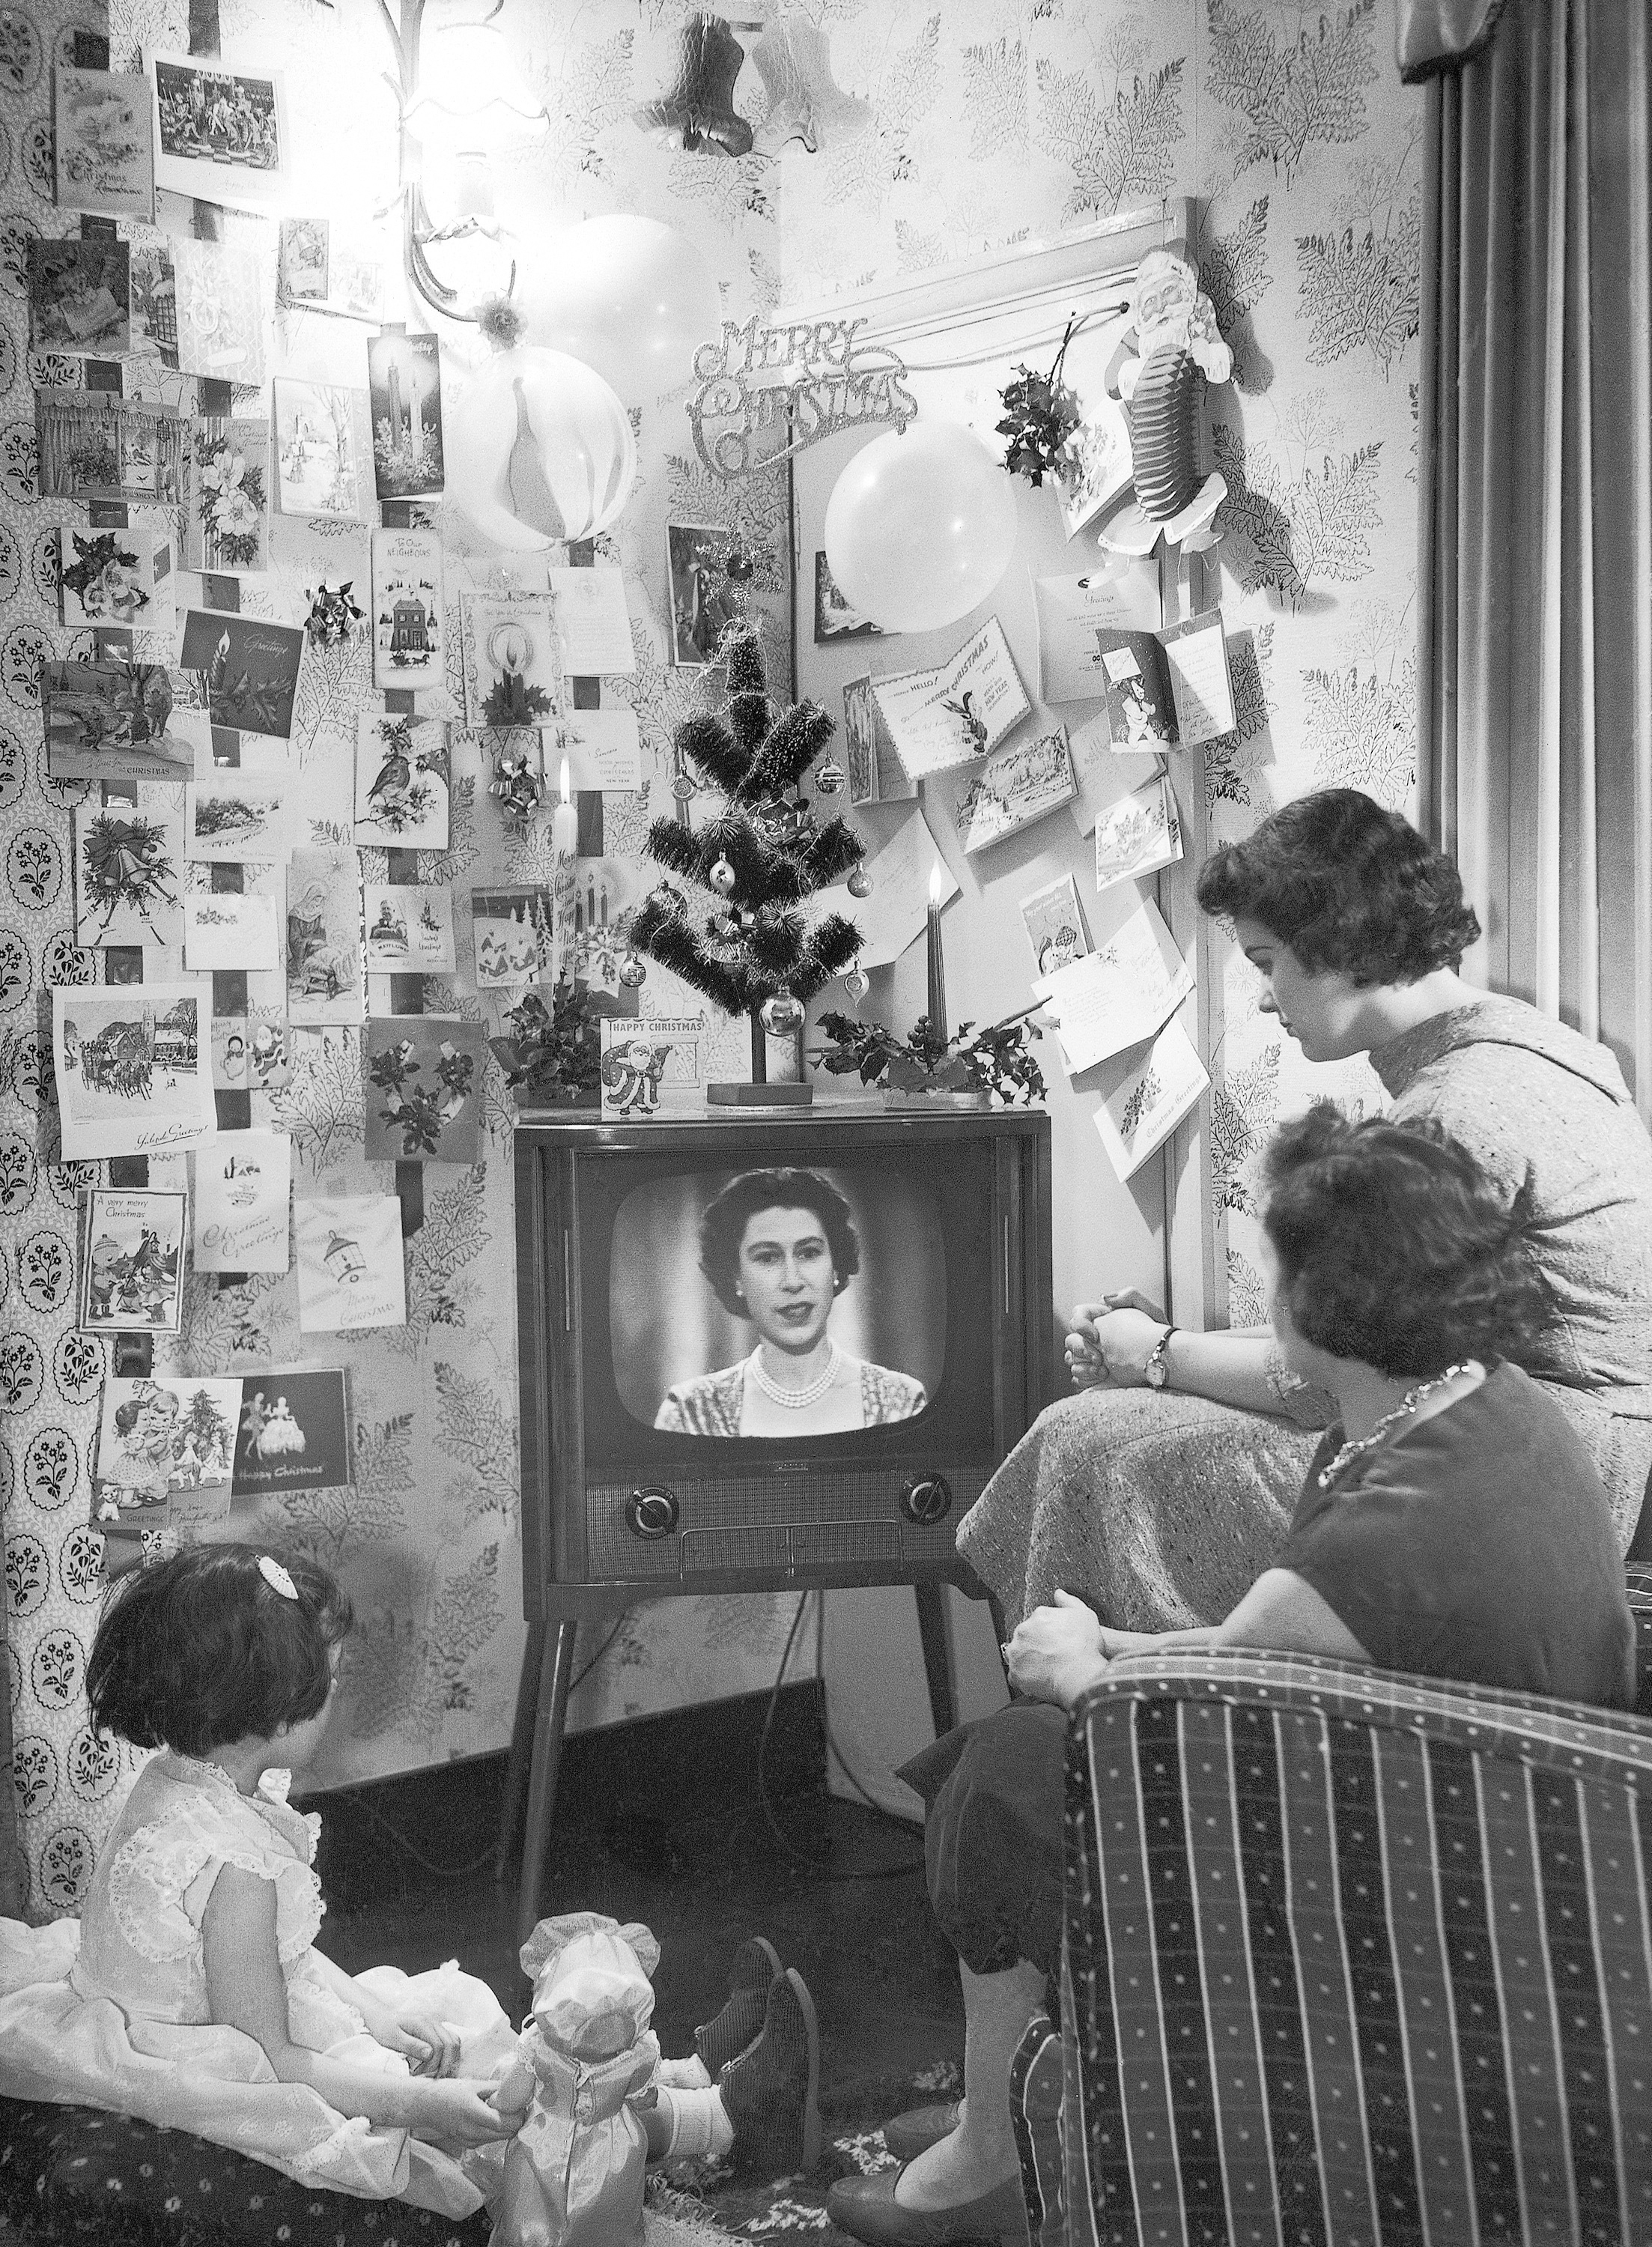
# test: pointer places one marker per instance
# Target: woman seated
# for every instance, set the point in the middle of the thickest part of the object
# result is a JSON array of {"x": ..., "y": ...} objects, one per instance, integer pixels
[
  {"x": 1164, "y": 1506},
  {"x": 778, "y": 1248},
  {"x": 1451, "y": 1523}
]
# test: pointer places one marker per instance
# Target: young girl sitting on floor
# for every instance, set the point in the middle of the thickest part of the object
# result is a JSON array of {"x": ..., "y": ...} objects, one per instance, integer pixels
[{"x": 195, "y": 1996}]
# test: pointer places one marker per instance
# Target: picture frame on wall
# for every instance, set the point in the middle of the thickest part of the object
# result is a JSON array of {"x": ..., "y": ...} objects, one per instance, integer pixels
[
  {"x": 219, "y": 134},
  {"x": 705, "y": 599}
]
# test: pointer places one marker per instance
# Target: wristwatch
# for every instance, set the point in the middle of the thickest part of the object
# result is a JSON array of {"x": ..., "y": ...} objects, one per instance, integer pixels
[{"x": 1157, "y": 1367}]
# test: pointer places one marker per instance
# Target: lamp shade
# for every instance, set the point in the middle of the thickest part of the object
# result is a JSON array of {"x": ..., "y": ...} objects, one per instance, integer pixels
[
  {"x": 468, "y": 78},
  {"x": 920, "y": 527},
  {"x": 632, "y": 297},
  {"x": 539, "y": 449}
]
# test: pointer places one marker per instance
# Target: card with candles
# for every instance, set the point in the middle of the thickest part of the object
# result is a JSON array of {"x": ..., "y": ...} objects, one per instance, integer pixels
[{"x": 593, "y": 897}]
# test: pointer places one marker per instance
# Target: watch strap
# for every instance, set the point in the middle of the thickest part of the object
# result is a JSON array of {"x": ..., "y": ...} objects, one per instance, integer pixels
[{"x": 1158, "y": 1356}]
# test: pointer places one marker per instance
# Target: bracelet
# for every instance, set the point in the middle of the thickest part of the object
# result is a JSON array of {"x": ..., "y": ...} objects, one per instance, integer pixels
[{"x": 1157, "y": 1368}]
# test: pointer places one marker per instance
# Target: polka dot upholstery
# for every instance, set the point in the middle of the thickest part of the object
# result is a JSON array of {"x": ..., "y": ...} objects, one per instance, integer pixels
[
  {"x": 1352, "y": 1958},
  {"x": 70, "y": 2173}
]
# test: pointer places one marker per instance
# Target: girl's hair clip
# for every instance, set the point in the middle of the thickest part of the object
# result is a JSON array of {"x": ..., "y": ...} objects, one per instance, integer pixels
[{"x": 276, "y": 1577}]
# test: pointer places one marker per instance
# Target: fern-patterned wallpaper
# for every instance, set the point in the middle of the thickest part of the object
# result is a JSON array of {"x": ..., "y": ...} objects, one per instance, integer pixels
[{"x": 991, "y": 120}]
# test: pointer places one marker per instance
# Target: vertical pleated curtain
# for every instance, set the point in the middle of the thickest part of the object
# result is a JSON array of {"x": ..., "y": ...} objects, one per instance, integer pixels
[{"x": 1535, "y": 493}]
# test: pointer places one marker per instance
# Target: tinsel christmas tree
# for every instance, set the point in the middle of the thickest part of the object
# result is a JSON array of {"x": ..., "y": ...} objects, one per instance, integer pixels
[{"x": 764, "y": 855}]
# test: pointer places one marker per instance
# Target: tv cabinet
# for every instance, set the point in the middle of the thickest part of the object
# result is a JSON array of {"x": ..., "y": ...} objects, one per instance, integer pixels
[{"x": 603, "y": 1533}]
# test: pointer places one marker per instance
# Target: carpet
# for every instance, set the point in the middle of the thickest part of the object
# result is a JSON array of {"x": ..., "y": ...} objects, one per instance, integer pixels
[{"x": 712, "y": 2197}]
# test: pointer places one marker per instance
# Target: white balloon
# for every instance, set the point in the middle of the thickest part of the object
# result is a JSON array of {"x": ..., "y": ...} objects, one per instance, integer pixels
[
  {"x": 632, "y": 297},
  {"x": 539, "y": 448},
  {"x": 920, "y": 527}
]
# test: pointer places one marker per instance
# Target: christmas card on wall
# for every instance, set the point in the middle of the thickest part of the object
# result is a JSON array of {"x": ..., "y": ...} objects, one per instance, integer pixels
[
  {"x": 410, "y": 928},
  {"x": 593, "y": 626},
  {"x": 250, "y": 667},
  {"x": 875, "y": 773},
  {"x": 511, "y": 677},
  {"x": 1020, "y": 784},
  {"x": 1055, "y": 925},
  {"x": 103, "y": 158},
  {"x": 349, "y": 1254},
  {"x": 893, "y": 912},
  {"x": 653, "y": 1063},
  {"x": 401, "y": 781},
  {"x": 1150, "y": 1100},
  {"x": 221, "y": 134},
  {"x": 952, "y": 712},
  {"x": 300, "y": 262},
  {"x": 243, "y": 1182},
  {"x": 79, "y": 296},
  {"x": 293, "y": 1433},
  {"x": 1137, "y": 835},
  {"x": 1169, "y": 689},
  {"x": 133, "y": 1069},
  {"x": 422, "y": 1087},
  {"x": 514, "y": 935},
  {"x": 407, "y": 638},
  {"x": 1078, "y": 617},
  {"x": 116, "y": 577},
  {"x": 324, "y": 450},
  {"x": 230, "y": 821},
  {"x": 223, "y": 930},
  {"x": 404, "y": 384},
  {"x": 118, "y": 722},
  {"x": 129, "y": 1265},
  {"x": 94, "y": 446},
  {"x": 162, "y": 1475},
  {"x": 221, "y": 310},
  {"x": 226, "y": 495},
  {"x": 603, "y": 747},
  {"x": 1118, "y": 996},
  {"x": 324, "y": 937},
  {"x": 128, "y": 870}
]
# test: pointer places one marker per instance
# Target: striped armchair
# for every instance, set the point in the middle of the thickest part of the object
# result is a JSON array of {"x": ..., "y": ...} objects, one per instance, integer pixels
[{"x": 1352, "y": 1959}]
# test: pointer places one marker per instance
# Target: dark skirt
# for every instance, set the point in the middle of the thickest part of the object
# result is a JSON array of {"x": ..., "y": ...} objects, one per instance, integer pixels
[{"x": 992, "y": 1843}]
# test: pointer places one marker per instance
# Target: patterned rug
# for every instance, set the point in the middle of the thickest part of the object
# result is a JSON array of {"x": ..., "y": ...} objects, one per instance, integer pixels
[{"x": 711, "y": 2195}]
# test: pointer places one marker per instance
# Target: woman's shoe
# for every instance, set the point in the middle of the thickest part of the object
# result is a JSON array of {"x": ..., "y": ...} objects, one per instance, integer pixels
[
  {"x": 920, "y": 2128},
  {"x": 867, "y": 2208},
  {"x": 750, "y": 1978},
  {"x": 770, "y": 2092}
]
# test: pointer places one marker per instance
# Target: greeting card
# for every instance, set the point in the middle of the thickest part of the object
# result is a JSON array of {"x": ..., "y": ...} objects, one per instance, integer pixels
[
  {"x": 593, "y": 626},
  {"x": 250, "y": 1052},
  {"x": 322, "y": 447},
  {"x": 324, "y": 937},
  {"x": 223, "y": 929},
  {"x": 422, "y": 1088},
  {"x": 653, "y": 1063},
  {"x": 128, "y": 872},
  {"x": 155, "y": 302},
  {"x": 875, "y": 774},
  {"x": 404, "y": 385},
  {"x": 242, "y": 1180},
  {"x": 408, "y": 640},
  {"x": 226, "y": 495},
  {"x": 102, "y": 155},
  {"x": 220, "y": 310},
  {"x": 401, "y": 781},
  {"x": 1150, "y": 1100},
  {"x": 115, "y": 577},
  {"x": 1137, "y": 835},
  {"x": 79, "y": 296},
  {"x": 894, "y": 912},
  {"x": 300, "y": 262},
  {"x": 117, "y": 720},
  {"x": 293, "y": 1433},
  {"x": 349, "y": 1254},
  {"x": 95, "y": 446},
  {"x": 950, "y": 713},
  {"x": 1076, "y": 617},
  {"x": 162, "y": 1473},
  {"x": 129, "y": 1265},
  {"x": 230, "y": 820},
  {"x": 515, "y": 932},
  {"x": 603, "y": 748},
  {"x": 511, "y": 677},
  {"x": 1118, "y": 995},
  {"x": 410, "y": 928},
  {"x": 221, "y": 134},
  {"x": 1019, "y": 785},
  {"x": 131, "y": 1068},
  {"x": 1054, "y": 923},
  {"x": 251, "y": 668}
]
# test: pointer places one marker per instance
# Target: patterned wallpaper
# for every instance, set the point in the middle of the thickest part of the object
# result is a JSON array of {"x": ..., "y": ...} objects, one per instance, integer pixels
[{"x": 989, "y": 121}]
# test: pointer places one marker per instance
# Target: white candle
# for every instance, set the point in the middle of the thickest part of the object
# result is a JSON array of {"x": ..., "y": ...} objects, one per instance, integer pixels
[{"x": 564, "y": 825}]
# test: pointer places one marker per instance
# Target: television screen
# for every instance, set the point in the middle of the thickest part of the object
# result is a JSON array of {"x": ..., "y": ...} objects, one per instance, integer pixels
[{"x": 793, "y": 1300}]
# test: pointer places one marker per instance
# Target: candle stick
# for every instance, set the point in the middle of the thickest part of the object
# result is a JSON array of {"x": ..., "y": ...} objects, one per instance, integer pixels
[
  {"x": 937, "y": 965},
  {"x": 564, "y": 823}
]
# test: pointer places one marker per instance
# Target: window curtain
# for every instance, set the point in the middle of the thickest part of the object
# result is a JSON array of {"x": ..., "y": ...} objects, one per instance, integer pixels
[
  {"x": 1535, "y": 502},
  {"x": 12, "y": 1883}
]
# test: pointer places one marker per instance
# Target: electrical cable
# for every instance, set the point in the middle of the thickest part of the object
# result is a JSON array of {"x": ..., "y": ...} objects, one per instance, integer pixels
[
  {"x": 597, "y": 1656},
  {"x": 424, "y": 1863},
  {"x": 1024, "y": 345},
  {"x": 799, "y": 1857}
]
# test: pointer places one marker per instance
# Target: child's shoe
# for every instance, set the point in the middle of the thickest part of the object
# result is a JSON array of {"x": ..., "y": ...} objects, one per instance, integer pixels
[{"x": 770, "y": 2092}]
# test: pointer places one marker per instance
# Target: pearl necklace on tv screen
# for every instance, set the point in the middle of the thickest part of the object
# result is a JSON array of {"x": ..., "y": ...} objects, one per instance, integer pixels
[{"x": 795, "y": 1399}]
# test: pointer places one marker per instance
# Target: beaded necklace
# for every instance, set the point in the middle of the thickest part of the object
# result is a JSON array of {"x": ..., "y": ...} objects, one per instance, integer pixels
[
  {"x": 795, "y": 1400},
  {"x": 1406, "y": 1406}
]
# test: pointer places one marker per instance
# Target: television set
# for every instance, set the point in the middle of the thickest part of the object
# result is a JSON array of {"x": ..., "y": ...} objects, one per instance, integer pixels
[{"x": 785, "y": 1352}]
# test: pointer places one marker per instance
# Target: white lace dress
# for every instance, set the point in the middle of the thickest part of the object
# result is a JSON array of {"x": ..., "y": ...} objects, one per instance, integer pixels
[{"x": 118, "y": 2017}]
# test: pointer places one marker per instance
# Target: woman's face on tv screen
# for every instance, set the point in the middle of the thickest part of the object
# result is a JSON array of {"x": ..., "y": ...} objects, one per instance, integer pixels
[{"x": 787, "y": 1277}]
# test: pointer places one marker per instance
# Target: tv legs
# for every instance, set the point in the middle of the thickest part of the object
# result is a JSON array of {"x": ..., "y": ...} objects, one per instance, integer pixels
[
  {"x": 555, "y": 1676},
  {"x": 932, "y": 1632},
  {"x": 522, "y": 1742}
]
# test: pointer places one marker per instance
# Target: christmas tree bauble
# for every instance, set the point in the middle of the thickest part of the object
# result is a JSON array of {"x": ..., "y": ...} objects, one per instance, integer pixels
[
  {"x": 859, "y": 884},
  {"x": 632, "y": 972},
  {"x": 782, "y": 1014},
  {"x": 829, "y": 776},
  {"x": 857, "y": 983},
  {"x": 723, "y": 877}
]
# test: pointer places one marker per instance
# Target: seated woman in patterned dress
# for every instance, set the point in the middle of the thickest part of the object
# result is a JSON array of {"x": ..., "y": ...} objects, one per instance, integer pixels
[{"x": 1452, "y": 1523}]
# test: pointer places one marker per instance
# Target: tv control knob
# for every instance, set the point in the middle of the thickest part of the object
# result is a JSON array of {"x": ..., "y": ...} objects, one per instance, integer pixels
[
  {"x": 925, "y": 1499},
  {"x": 653, "y": 1512}
]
